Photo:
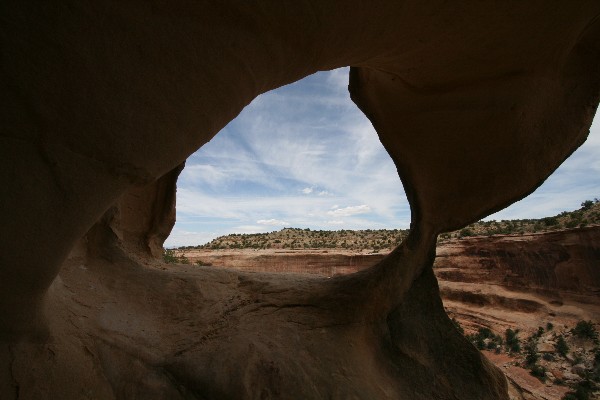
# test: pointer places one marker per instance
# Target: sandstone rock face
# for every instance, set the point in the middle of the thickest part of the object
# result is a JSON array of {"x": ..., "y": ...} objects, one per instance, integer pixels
[
  {"x": 140, "y": 221},
  {"x": 99, "y": 98},
  {"x": 323, "y": 263},
  {"x": 556, "y": 264},
  {"x": 502, "y": 281},
  {"x": 521, "y": 281}
]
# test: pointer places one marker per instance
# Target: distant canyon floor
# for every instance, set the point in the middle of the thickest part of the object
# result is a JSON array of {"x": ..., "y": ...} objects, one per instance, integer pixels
[{"x": 500, "y": 282}]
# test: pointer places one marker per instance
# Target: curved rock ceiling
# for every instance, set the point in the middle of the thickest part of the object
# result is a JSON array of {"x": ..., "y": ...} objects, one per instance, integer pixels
[{"x": 476, "y": 103}]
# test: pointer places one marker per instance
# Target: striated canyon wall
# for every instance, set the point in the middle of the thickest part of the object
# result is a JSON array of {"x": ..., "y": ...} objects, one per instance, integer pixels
[
  {"x": 549, "y": 273},
  {"x": 555, "y": 264},
  {"x": 522, "y": 280},
  {"x": 319, "y": 262}
]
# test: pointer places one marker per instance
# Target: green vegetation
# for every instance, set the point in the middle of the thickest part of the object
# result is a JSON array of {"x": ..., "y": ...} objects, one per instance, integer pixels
[
  {"x": 512, "y": 341},
  {"x": 585, "y": 330},
  {"x": 383, "y": 240},
  {"x": 583, "y": 391},
  {"x": 582, "y": 385},
  {"x": 538, "y": 371},
  {"x": 466, "y": 232},
  {"x": 561, "y": 346},
  {"x": 295, "y": 239},
  {"x": 169, "y": 257},
  {"x": 486, "y": 339},
  {"x": 586, "y": 205},
  {"x": 588, "y": 214},
  {"x": 531, "y": 354}
]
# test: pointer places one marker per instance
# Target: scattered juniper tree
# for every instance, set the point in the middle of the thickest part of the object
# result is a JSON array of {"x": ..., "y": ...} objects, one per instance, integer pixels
[{"x": 561, "y": 346}]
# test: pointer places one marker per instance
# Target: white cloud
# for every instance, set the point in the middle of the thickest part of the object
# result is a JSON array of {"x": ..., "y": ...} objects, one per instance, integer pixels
[
  {"x": 180, "y": 237},
  {"x": 247, "y": 229},
  {"x": 351, "y": 210},
  {"x": 310, "y": 140},
  {"x": 272, "y": 222}
]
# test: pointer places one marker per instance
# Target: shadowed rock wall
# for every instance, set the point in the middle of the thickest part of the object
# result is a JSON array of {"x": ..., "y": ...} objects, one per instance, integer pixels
[
  {"x": 477, "y": 104},
  {"x": 552, "y": 263}
]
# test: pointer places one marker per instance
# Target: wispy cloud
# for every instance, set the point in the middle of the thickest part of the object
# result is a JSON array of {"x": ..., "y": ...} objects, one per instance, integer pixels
[
  {"x": 272, "y": 222},
  {"x": 576, "y": 180},
  {"x": 351, "y": 210},
  {"x": 294, "y": 155}
]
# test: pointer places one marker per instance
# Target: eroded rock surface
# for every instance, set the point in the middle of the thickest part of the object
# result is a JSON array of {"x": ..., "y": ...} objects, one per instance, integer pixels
[
  {"x": 500, "y": 281},
  {"x": 477, "y": 104}
]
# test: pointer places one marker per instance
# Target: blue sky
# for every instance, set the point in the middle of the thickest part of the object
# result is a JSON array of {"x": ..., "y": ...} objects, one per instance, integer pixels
[{"x": 304, "y": 156}]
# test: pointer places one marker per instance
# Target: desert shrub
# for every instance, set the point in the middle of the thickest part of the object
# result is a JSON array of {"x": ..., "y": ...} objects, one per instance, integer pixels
[
  {"x": 548, "y": 357},
  {"x": 537, "y": 334},
  {"x": 549, "y": 326},
  {"x": 531, "y": 356},
  {"x": 512, "y": 340},
  {"x": 561, "y": 346},
  {"x": 466, "y": 232},
  {"x": 203, "y": 263},
  {"x": 478, "y": 339},
  {"x": 585, "y": 329},
  {"x": 480, "y": 344},
  {"x": 583, "y": 390},
  {"x": 498, "y": 340},
  {"x": 485, "y": 333},
  {"x": 169, "y": 257},
  {"x": 550, "y": 221},
  {"x": 586, "y": 205},
  {"x": 538, "y": 371}
]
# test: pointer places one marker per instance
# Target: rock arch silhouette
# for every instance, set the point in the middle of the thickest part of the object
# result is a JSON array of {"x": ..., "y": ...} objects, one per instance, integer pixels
[{"x": 477, "y": 104}]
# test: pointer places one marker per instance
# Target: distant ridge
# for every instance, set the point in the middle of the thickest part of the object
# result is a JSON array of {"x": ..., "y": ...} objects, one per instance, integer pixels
[{"x": 386, "y": 239}]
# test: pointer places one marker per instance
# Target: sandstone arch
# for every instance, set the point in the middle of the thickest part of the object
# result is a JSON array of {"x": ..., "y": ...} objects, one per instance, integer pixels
[{"x": 99, "y": 98}]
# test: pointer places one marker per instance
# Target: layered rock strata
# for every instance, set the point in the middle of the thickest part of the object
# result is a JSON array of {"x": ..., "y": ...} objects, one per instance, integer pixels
[
  {"x": 501, "y": 281},
  {"x": 522, "y": 281}
]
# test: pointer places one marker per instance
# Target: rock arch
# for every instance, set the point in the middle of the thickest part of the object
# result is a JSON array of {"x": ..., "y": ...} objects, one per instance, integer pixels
[{"x": 101, "y": 99}]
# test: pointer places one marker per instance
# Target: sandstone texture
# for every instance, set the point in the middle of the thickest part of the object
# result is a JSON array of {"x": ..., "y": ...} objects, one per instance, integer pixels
[
  {"x": 102, "y": 102},
  {"x": 501, "y": 281},
  {"x": 326, "y": 263}
]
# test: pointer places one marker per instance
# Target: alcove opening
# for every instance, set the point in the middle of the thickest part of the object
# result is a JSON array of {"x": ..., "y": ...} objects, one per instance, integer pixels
[
  {"x": 301, "y": 170},
  {"x": 302, "y": 159}
]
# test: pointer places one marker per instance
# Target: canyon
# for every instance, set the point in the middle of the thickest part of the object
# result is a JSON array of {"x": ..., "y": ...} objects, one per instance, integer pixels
[
  {"x": 103, "y": 102},
  {"x": 499, "y": 282},
  {"x": 553, "y": 276}
]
